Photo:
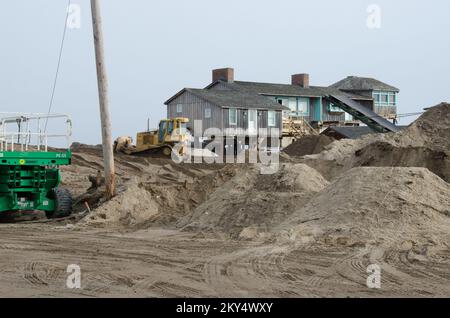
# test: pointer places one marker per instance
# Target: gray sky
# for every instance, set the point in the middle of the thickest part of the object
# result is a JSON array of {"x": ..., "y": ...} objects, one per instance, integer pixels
[{"x": 155, "y": 48}]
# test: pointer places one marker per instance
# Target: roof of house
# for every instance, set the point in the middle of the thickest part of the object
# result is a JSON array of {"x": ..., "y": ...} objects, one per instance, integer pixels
[
  {"x": 286, "y": 89},
  {"x": 233, "y": 98},
  {"x": 363, "y": 84},
  {"x": 252, "y": 94}
]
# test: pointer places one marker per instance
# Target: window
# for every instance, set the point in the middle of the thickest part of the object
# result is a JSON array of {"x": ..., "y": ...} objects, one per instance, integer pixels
[
  {"x": 303, "y": 106},
  {"x": 183, "y": 128},
  {"x": 292, "y": 102},
  {"x": 232, "y": 116},
  {"x": 333, "y": 108},
  {"x": 388, "y": 99},
  {"x": 170, "y": 128},
  {"x": 392, "y": 99},
  {"x": 283, "y": 101},
  {"x": 207, "y": 112},
  {"x": 179, "y": 108},
  {"x": 271, "y": 118},
  {"x": 162, "y": 130}
]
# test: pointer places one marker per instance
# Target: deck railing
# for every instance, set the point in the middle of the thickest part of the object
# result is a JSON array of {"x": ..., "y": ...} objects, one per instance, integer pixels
[
  {"x": 28, "y": 132},
  {"x": 389, "y": 112}
]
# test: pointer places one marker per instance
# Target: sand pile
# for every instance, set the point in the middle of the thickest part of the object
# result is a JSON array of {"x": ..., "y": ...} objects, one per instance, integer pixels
[
  {"x": 308, "y": 145},
  {"x": 382, "y": 154},
  {"x": 156, "y": 197},
  {"x": 131, "y": 207},
  {"x": 425, "y": 143},
  {"x": 251, "y": 204},
  {"x": 292, "y": 178},
  {"x": 431, "y": 130},
  {"x": 152, "y": 191},
  {"x": 376, "y": 206},
  {"x": 340, "y": 150},
  {"x": 178, "y": 199}
]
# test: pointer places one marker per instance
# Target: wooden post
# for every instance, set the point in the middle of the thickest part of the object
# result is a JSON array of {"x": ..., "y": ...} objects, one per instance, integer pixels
[{"x": 108, "y": 155}]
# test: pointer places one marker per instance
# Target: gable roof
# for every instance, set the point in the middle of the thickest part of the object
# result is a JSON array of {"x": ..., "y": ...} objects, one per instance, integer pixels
[
  {"x": 232, "y": 98},
  {"x": 363, "y": 84},
  {"x": 285, "y": 90}
]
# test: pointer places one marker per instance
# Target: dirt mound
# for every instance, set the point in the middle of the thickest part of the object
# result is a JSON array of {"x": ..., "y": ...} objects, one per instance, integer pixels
[
  {"x": 251, "y": 204},
  {"x": 381, "y": 154},
  {"x": 431, "y": 130},
  {"x": 376, "y": 206},
  {"x": 131, "y": 207},
  {"x": 178, "y": 199},
  {"x": 425, "y": 143},
  {"x": 151, "y": 191},
  {"x": 292, "y": 178},
  {"x": 308, "y": 145},
  {"x": 341, "y": 150}
]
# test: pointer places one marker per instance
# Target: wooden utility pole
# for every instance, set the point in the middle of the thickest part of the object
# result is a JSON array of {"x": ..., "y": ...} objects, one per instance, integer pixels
[{"x": 108, "y": 155}]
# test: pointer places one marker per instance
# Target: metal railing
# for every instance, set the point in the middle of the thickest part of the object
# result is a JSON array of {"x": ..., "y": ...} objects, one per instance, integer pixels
[{"x": 26, "y": 132}]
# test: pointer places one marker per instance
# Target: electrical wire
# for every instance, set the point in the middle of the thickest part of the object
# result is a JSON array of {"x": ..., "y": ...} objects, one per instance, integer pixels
[{"x": 58, "y": 65}]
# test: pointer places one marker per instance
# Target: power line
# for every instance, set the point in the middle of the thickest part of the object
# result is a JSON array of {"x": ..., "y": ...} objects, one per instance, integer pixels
[{"x": 58, "y": 65}]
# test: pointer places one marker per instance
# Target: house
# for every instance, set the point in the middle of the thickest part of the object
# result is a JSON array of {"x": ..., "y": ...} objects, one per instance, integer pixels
[
  {"x": 230, "y": 104},
  {"x": 229, "y": 110},
  {"x": 384, "y": 96}
]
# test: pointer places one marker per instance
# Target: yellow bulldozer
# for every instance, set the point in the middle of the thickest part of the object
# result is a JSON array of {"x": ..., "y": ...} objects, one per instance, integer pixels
[{"x": 171, "y": 133}]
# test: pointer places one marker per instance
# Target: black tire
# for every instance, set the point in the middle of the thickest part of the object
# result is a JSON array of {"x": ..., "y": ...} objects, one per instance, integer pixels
[
  {"x": 63, "y": 203},
  {"x": 167, "y": 151}
]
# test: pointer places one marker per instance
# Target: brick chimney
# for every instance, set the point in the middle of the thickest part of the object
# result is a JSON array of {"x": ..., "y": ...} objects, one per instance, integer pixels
[
  {"x": 223, "y": 74},
  {"x": 301, "y": 80}
]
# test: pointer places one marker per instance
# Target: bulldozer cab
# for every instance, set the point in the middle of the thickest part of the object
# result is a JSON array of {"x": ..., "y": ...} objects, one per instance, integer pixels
[{"x": 171, "y": 129}]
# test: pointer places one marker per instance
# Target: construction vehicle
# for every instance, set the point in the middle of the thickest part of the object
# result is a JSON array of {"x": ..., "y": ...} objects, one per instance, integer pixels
[
  {"x": 29, "y": 171},
  {"x": 171, "y": 136}
]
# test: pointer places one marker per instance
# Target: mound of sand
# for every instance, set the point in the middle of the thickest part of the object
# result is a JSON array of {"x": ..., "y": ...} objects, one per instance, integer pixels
[
  {"x": 251, "y": 204},
  {"x": 376, "y": 206},
  {"x": 431, "y": 130},
  {"x": 132, "y": 206},
  {"x": 308, "y": 145},
  {"x": 425, "y": 143},
  {"x": 381, "y": 154},
  {"x": 239, "y": 201},
  {"x": 292, "y": 178}
]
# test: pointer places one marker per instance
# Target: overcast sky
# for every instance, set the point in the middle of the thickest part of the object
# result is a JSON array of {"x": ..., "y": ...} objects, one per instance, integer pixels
[{"x": 155, "y": 48}]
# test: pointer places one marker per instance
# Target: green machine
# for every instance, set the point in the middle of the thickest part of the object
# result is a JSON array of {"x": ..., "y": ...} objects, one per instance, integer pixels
[{"x": 29, "y": 171}]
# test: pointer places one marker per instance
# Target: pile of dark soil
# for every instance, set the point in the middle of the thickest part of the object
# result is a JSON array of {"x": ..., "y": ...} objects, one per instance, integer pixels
[
  {"x": 382, "y": 154},
  {"x": 309, "y": 145}
]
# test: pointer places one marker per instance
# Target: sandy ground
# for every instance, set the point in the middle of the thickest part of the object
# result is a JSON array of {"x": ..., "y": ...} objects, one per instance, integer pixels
[
  {"x": 165, "y": 263},
  {"x": 310, "y": 230}
]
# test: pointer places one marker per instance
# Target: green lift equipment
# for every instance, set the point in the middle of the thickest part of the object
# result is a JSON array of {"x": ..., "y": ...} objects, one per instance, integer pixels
[{"x": 29, "y": 171}]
